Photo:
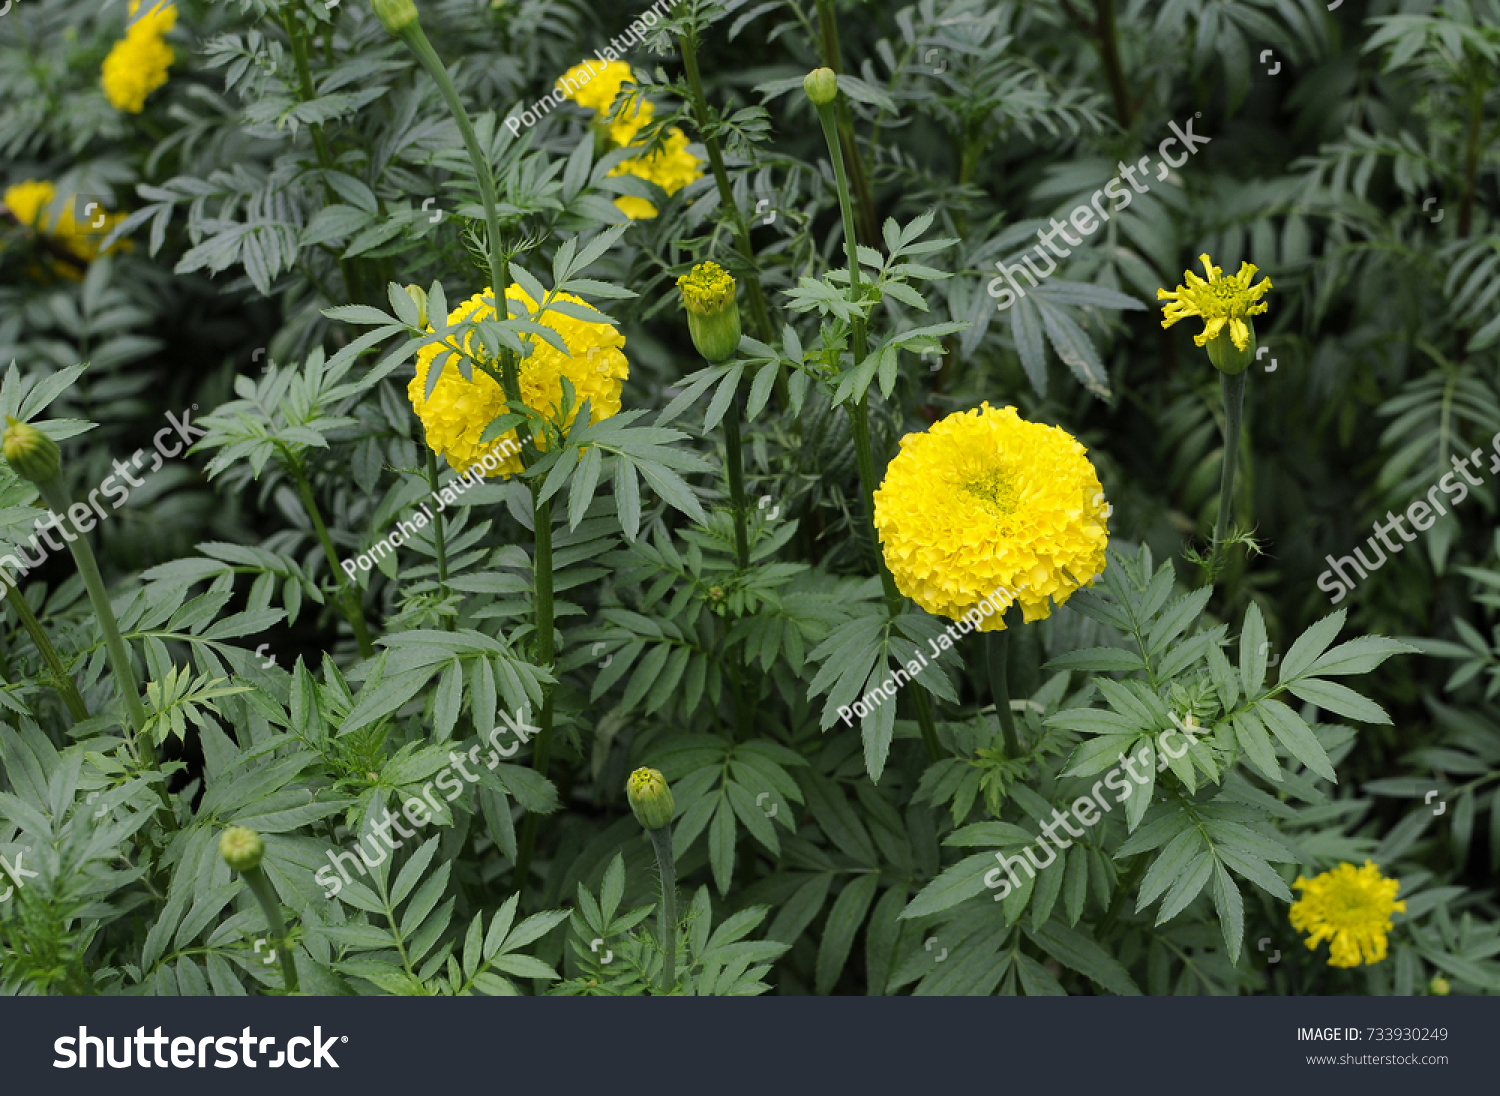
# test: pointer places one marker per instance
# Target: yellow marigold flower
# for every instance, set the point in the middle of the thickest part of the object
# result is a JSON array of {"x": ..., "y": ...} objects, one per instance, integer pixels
[
  {"x": 138, "y": 63},
  {"x": 459, "y": 410},
  {"x": 635, "y": 117},
  {"x": 1350, "y": 906},
  {"x": 670, "y": 167},
  {"x": 984, "y": 500},
  {"x": 159, "y": 18},
  {"x": 1217, "y": 302},
  {"x": 595, "y": 86},
  {"x": 31, "y": 201}
]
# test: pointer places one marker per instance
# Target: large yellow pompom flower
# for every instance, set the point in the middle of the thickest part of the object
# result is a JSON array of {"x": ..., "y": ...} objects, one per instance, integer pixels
[
  {"x": 985, "y": 500},
  {"x": 1351, "y": 907},
  {"x": 594, "y": 87},
  {"x": 31, "y": 202},
  {"x": 138, "y": 63},
  {"x": 670, "y": 167},
  {"x": 1217, "y": 302},
  {"x": 456, "y": 415}
]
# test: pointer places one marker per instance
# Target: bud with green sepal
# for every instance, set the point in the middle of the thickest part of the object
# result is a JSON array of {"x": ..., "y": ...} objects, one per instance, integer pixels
[
  {"x": 30, "y": 452},
  {"x": 395, "y": 15},
  {"x": 651, "y": 802},
  {"x": 650, "y": 799},
  {"x": 243, "y": 850},
  {"x": 821, "y": 85},
  {"x": 713, "y": 314}
]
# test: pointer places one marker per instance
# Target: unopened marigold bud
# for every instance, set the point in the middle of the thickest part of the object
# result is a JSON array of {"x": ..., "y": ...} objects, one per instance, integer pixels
[
  {"x": 30, "y": 452},
  {"x": 419, "y": 296},
  {"x": 650, "y": 798},
  {"x": 395, "y": 15},
  {"x": 1439, "y": 986},
  {"x": 241, "y": 848},
  {"x": 1228, "y": 358},
  {"x": 713, "y": 313},
  {"x": 821, "y": 85}
]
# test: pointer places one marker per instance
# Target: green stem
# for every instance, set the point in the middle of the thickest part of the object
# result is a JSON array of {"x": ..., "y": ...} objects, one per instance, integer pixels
[
  {"x": 541, "y": 577},
  {"x": 661, "y": 841},
  {"x": 828, "y": 29},
  {"x": 734, "y": 464},
  {"x": 62, "y": 681},
  {"x": 1109, "y": 55},
  {"x": 997, "y": 657},
  {"x": 1471, "y": 160},
  {"x": 353, "y": 283},
  {"x": 1233, "y": 389},
  {"x": 260, "y": 886},
  {"x": 859, "y": 415},
  {"x": 437, "y": 526},
  {"x": 348, "y": 593},
  {"x": 759, "y": 315},
  {"x": 56, "y": 498}
]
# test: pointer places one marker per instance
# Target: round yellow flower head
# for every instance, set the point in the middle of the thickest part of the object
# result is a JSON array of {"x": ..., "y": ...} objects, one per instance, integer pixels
[
  {"x": 459, "y": 411},
  {"x": 1350, "y": 906},
  {"x": 28, "y": 201},
  {"x": 137, "y": 64},
  {"x": 670, "y": 167},
  {"x": 1218, "y": 302},
  {"x": 594, "y": 87},
  {"x": 985, "y": 500},
  {"x": 31, "y": 201}
]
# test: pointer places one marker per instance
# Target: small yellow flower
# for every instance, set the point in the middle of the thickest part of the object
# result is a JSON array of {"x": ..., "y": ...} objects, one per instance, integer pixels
[
  {"x": 985, "y": 500},
  {"x": 1217, "y": 302},
  {"x": 456, "y": 415},
  {"x": 31, "y": 202},
  {"x": 670, "y": 167},
  {"x": 137, "y": 64},
  {"x": 1351, "y": 907}
]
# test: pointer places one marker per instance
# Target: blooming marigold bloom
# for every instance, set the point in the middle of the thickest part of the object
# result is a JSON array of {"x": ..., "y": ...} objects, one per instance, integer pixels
[
  {"x": 31, "y": 202},
  {"x": 1350, "y": 906},
  {"x": 595, "y": 87},
  {"x": 983, "y": 500},
  {"x": 138, "y": 63},
  {"x": 670, "y": 167},
  {"x": 459, "y": 410},
  {"x": 1218, "y": 302}
]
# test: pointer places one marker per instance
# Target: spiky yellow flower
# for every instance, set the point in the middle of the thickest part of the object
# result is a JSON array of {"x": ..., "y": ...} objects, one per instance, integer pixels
[
  {"x": 1217, "y": 301},
  {"x": 138, "y": 63},
  {"x": 31, "y": 203},
  {"x": 1351, "y": 907},
  {"x": 670, "y": 167},
  {"x": 459, "y": 410},
  {"x": 983, "y": 500}
]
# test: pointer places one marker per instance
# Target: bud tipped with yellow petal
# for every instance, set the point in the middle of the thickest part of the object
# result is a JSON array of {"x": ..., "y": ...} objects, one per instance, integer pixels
[
  {"x": 713, "y": 313},
  {"x": 1229, "y": 358},
  {"x": 821, "y": 85},
  {"x": 650, "y": 799},
  {"x": 419, "y": 296},
  {"x": 395, "y": 15},
  {"x": 30, "y": 452},
  {"x": 1225, "y": 306},
  {"x": 241, "y": 848}
]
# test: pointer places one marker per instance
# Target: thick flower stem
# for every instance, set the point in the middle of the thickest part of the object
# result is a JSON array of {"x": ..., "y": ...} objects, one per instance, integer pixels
[
  {"x": 828, "y": 31},
  {"x": 260, "y": 886},
  {"x": 759, "y": 315},
  {"x": 438, "y": 537},
  {"x": 61, "y": 680},
  {"x": 353, "y": 283},
  {"x": 542, "y": 597},
  {"x": 997, "y": 658},
  {"x": 661, "y": 841},
  {"x": 1233, "y": 389},
  {"x": 734, "y": 465},
  {"x": 55, "y": 495},
  {"x": 348, "y": 593},
  {"x": 859, "y": 415}
]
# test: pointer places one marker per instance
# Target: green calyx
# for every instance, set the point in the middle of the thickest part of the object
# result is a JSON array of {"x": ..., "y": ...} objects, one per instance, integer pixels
[
  {"x": 30, "y": 452},
  {"x": 650, "y": 799},
  {"x": 821, "y": 85},
  {"x": 241, "y": 848},
  {"x": 1228, "y": 358}
]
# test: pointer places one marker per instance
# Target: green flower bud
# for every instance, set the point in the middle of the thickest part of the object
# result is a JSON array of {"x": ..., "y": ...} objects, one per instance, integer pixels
[
  {"x": 821, "y": 85},
  {"x": 241, "y": 848},
  {"x": 1228, "y": 358},
  {"x": 1439, "y": 986},
  {"x": 650, "y": 798},
  {"x": 713, "y": 314},
  {"x": 30, "y": 452},
  {"x": 419, "y": 295},
  {"x": 395, "y": 15}
]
